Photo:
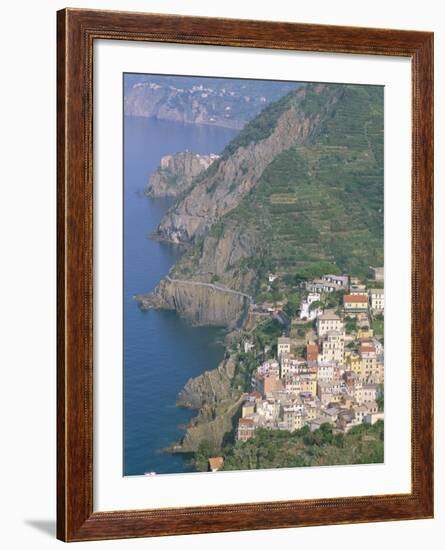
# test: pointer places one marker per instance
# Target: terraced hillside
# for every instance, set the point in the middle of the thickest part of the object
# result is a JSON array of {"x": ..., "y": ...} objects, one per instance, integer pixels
[
  {"x": 300, "y": 190},
  {"x": 323, "y": 202}
]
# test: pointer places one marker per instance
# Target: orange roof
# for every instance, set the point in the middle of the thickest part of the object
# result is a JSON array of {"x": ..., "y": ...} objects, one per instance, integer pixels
[
  {"x": 312, "y": 351},
  {"x": 355, "y": 299},
  {"x": 216, "y": 462},
  {"x": 272, "y": 383}
]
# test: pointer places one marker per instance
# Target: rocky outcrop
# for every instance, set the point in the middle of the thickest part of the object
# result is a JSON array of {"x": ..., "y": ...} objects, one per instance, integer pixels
[
  {"x": 220, "y": 258},
  {"x": 239, "y": 172},
  {"x": 210, "y": 388},
  {"x": 218, "y": 405},
  {"x": 176, "y": 172},
  {"x": 199, "y": 303},
  {"x": 213, "y": 431}
]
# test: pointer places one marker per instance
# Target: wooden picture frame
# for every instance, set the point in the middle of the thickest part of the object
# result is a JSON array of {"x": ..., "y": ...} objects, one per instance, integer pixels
[{"x": 76, "y": 32}]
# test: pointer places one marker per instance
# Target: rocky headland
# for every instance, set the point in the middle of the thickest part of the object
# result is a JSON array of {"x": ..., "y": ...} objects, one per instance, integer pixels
[
  {"x": 200, "y": 303},
  {"x": 218, "y": 405},
  {"x": 176, "y": 172}
]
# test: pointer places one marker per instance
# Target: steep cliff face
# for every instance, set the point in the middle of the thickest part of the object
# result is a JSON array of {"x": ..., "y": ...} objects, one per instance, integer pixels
[
  {"x": 237, "y": 173},
  {"x": 176, "y": 172},
  {"x": 199, "y": 303},
  {"x": 218, "y": 405},
  {"x": 210, "y": 388},
  {"x": 213, "y": 431},
  {"x": 220, "y": 259}
]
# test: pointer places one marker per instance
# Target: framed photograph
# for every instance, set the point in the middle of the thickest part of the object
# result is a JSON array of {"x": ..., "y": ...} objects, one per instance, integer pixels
[{"x": 245, "y": 263}]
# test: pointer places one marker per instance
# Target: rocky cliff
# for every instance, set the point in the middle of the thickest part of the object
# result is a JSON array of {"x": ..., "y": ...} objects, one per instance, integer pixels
[
  {"x": 220, "y": 258},
  {"x": 199, "y": 303},
  {"x": 238, "y": 172},
  {"x": 213, "y": 431},
  {"x": 176, "y": 172},
  {"x": 210, "y": 388},
  {"x": 218, "y": 405}
]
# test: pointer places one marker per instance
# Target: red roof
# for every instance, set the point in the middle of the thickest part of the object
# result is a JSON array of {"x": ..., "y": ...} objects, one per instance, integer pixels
[{"x": 356, "y": 299}]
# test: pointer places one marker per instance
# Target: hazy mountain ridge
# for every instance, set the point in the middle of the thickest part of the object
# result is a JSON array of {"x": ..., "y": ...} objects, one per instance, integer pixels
[{"x": 218, "y": 102}]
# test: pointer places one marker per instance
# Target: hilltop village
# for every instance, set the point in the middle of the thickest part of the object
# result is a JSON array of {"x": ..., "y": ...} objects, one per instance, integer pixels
[{"x": 327, "y": 367}]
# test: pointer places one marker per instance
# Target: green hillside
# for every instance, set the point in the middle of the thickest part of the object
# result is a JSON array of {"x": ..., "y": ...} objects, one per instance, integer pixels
[
  {"x": 363, "y": 444},
  {"x": 322, "y": 203},
  {"x": 315, "y": 207}
]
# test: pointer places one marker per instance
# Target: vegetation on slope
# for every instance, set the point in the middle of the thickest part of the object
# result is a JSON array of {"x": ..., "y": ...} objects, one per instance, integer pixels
[
  {"x": 319, "y": 207},
  {"x": 363, "y": 444}
]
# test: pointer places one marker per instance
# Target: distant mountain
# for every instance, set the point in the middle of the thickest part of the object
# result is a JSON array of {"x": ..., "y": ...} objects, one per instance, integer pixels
[
  {"x": 215, "y": 101},
  {"x": 299, "y": 190}
]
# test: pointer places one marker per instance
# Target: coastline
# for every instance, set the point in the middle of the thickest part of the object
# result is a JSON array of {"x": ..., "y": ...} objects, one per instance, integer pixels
[{"x": 154, "y": 342}]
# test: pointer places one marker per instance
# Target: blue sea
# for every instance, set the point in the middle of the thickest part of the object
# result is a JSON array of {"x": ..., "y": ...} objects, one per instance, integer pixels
[{"x": 161, "y": 351}]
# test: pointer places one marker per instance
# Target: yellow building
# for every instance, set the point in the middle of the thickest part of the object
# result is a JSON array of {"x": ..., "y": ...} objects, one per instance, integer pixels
[
  {"x": 368, "y": 367},
  {"x": 301, "y": 383},
  {"x": 248, "y": 409},
  {"x": 353, "y": 362},
  {"x": 292, "y": 418},
  {"x": 311, "y": 413},
  {"x": 373, "y": 371}
]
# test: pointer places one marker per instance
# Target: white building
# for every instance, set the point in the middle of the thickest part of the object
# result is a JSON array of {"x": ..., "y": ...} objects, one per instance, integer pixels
[
  {"x": 283, "y": 345},
  {"x": 248, "y": 346},
  {"x": 271, "y": 367},
  {"x": 319, "y": 285},
  {"x": 326, "y": 372},
  {"x": 290, "y": 364},
  {"x": 305, "y": 311},
  {"x": 374, "y": 417},
  {"x": 329, "y": 322},
  {"x": 332, "y": 348},
  {"x": 377, "y": 299},
  {"x": 340, "y": 280},
  {"x": 366, "y": 393}
]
